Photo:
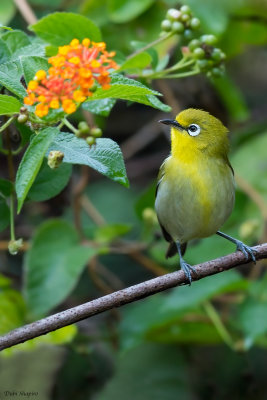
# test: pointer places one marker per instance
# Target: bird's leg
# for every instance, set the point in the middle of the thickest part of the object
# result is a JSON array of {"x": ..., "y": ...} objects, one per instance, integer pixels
[
  {"x": 187, "y": 268},
  {"x": 246, "y": 250}
]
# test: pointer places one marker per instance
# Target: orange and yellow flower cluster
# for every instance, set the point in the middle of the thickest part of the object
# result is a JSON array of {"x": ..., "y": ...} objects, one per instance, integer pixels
[{"x": 74, "y": 71}]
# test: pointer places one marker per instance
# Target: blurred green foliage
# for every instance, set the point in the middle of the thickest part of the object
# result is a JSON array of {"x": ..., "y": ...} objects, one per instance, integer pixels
[{"x": 207, "y": 341}]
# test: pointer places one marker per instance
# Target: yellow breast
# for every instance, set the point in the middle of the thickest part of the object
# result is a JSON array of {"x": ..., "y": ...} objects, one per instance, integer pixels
[{"x": 195, "y": 195}]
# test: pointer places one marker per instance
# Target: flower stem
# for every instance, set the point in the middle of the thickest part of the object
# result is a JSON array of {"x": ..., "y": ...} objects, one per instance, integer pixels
[
  {"x": 151, "y": 44},
  {"x": 217, "y": 322},
  {"x": 7, "y": 123},
  {"x": 69, "y": 125}
]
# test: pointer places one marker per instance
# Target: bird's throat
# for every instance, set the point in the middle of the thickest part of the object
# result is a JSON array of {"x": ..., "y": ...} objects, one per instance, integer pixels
[{"x": 184, "y": 147}]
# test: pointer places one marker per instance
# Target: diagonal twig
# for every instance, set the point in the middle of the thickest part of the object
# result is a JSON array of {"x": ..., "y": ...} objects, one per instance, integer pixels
[{"x": 124, "y": 296}]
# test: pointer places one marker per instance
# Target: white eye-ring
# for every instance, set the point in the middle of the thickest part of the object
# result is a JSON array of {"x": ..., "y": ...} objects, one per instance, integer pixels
[{"x": 194, "y": 130}]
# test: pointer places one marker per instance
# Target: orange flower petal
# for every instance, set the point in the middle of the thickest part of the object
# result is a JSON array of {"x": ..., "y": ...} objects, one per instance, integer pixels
[{"x": 41, "y": 110}]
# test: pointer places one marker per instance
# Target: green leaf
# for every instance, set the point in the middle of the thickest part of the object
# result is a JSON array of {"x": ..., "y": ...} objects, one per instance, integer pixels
[
  {"x": 129, "y": 89},
  {"x": 10, "y": 75},
  {"x": 213, "y": 15},
  {"x": 32, "y": 161},
  {"x": 9, "y": 105},
  {"x": 150, "y": 371},
  {"x": 105, "y": 157},
  {"x": 61, "y": 27},
  {"x": 249, "y": 161},
  {"x": 107, "y": 233},
  {"x": 160, "y": 311},
  {"x": 6, "y": 187},
  {"x": 53, "y": 265},
  {"x": 12, "y": 308},
  {"x": 15, "y": 40},
  {"x": 187, "y": 332},
  {"x": 232, "y": 98},
  {"x": 252, "y": 319},
  {"x": 35, "y": 49},
  {"x": 49, "y": 182},
  {"x": 99, "y": 107},
  {"x": 25, "y": 133},
  {"x": 4, "y": 214},
  {"x": 122, "y": 11},
  {"x": 7, "y": 11},
  {"x": 31, "y": 65},
  {"x": 153, "y": 101},
  {"x": 4, "y": 52},
  {"x": 140, "y": 60}
]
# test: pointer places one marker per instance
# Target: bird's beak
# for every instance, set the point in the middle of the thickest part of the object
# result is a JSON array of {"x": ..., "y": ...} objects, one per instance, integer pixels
[{"x": 173, "y": 123}]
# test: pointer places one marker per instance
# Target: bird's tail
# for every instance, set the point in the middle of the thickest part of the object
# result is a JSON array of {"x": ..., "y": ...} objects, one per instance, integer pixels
[{"x": 172, "y": 249}]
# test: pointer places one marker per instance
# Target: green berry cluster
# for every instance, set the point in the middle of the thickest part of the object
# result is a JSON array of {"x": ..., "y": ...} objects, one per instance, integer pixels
[
  {"x": 89, "y": 134},
  {"x": 209, "y": 59},
  {"x": 180, "y": 22}
]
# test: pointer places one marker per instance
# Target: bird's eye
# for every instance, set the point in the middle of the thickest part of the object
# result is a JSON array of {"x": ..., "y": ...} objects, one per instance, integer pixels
[{"x": 194, "y": 130}]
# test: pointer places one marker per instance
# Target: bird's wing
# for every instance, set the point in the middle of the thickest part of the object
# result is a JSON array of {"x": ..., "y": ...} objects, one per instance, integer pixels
[
  {"x": 229, "y": 165},
  {"x": 172, "y": 249}
]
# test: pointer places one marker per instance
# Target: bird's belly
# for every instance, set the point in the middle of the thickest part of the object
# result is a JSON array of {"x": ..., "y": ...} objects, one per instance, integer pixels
[{"x": 194, "y": 203}]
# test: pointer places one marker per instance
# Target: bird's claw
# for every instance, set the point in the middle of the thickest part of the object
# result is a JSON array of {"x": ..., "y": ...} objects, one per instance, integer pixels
[
  {"x": 246, "y": 250},
  {"x": 187, "y": 268}
]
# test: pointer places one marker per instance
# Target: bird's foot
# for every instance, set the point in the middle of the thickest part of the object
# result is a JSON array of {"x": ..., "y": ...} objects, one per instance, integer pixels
[
  {"x": 246, "y": 250},
  {"x": 187, "y": 268}
]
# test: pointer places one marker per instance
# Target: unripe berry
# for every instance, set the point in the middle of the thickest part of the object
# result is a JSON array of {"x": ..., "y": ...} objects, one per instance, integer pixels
[
  {"x": 96, "y": 132},
  {"x": 22, "y": 118},
  {"x": 185, "y": 10},
  {"x": 166, "y": 25},
  {"x": 185, "y": 17},
  {"x": 199, "y": 52},
  {"x": 188, "y": 34},
  {"x": 216, "y": 54},
  {"x": 208, "y": 39},
  {"x": 177, "y": 27},
  {"x": 83, "y": 128},
  {"x": 194, "y": 44},
  {"x": 90, "y": 140},
  {"x": 216, "y": 71},
  {"x": 195, "y": 23},
  {"x": 173, "y": 14},
  {"x": 202, "y": 64}
]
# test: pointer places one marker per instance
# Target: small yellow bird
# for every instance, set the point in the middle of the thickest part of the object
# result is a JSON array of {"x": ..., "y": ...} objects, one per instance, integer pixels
[{"x": 196, "y": 189}]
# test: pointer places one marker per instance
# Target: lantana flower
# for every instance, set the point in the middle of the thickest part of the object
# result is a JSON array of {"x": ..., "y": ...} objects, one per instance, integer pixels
[{"x": 74, "y": 71}]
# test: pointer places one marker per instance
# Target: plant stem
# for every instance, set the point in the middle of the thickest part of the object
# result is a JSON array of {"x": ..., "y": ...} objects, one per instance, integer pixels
[
  {"x": 60, "y": 125},
  {"x": 151, "y": 44},
  {"x": 217, "y": 322},
  {"x": 161, "y": 75},
  {"x": 69, "y": 125},
  {"x": 7, "y": 123},
  {"x": 12, "y": 219}
]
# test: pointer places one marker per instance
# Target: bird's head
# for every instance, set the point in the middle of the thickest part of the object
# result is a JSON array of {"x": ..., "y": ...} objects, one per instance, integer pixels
[{"x": 197, "y": 130}]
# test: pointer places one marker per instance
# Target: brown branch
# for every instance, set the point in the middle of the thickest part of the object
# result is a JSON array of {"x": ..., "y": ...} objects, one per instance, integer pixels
[
  {"x": 125, "y": 296},
  {"x": 26, "y": 11}
]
